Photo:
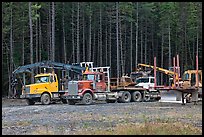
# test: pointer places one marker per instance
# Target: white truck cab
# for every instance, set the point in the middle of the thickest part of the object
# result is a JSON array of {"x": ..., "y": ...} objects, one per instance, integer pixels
[{"x": 145, "y": 82}]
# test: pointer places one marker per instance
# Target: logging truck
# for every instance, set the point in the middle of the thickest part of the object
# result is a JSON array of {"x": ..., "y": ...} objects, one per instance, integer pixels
[{"x": 96, "y": 85}]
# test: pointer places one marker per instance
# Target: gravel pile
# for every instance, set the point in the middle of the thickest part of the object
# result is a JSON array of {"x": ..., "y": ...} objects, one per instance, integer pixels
[{"x": 19, "y": 118}]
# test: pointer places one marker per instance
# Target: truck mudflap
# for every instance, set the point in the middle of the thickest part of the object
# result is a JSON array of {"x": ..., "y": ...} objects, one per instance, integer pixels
[{"x": 24, "y": 96}]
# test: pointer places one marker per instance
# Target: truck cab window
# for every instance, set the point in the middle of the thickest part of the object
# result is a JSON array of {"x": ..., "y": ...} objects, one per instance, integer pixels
[{"x": 43, "y": 79}]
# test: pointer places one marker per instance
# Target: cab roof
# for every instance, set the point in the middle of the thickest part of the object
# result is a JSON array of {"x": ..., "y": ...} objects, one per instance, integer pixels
[
  {"x": 43, "y": 74},
  {"x": 90, "y": 72}
]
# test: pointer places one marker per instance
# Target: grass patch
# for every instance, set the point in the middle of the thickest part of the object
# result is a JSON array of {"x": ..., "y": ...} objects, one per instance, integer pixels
[
  {"x": 148, "y": 128},
  {"x": 43, "y": 130}
]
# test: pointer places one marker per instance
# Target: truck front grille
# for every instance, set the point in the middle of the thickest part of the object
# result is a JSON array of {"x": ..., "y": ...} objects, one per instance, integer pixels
[{"x": 73, "y": 88}]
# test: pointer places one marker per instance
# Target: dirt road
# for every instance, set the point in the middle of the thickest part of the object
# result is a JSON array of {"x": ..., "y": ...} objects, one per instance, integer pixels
[{"x": 19, "y": 118}]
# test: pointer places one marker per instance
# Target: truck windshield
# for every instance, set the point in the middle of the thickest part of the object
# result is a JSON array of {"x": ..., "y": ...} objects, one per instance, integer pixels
[
  {"x": 42, "y": 79},
  {"x": 142, "y": 80},
  {"x": 88, "y": 77}
]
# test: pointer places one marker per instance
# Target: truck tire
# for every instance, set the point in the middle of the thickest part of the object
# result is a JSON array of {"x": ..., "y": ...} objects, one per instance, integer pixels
[
  {"x": 87, "y": 99},
  {"x": 45, "y": 99},
  {"x": 30, "y": 102},
  {"x": 136, "y": 96},
  {"x": 71, "y": 102},
  {"x": 125, "y": 98}
]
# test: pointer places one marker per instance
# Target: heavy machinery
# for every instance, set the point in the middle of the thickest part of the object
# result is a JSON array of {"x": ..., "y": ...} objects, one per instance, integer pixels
[
  {"x": 188, "y": 87},
  {"x": 45, "y": 88},
  {"x": 97, "y": 85},
  {"x": 165, "y": 71}
]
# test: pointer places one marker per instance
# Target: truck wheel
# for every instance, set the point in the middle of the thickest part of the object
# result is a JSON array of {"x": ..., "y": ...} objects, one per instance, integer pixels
[
  {"x": 71, "y": 102},
  {"x": 136, "y": 96},
  {"x": 87, "y": 99},
  {"x": 126, "y": 97},
  {"x": 64, "y": 101},
  {"x": 45, "y": 99},
  {"x": 30, "y": 102}
]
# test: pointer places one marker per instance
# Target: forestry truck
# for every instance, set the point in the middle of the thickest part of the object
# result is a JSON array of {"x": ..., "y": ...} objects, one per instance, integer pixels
[
  {"x": 96, "y": 85},
  {"x": 47, "y": 87}
]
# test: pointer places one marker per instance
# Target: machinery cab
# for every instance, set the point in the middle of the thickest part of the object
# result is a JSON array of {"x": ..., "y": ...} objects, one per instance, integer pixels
[
  {"x": 190, "y": 77},
  {"x": 43, "y": 82}
]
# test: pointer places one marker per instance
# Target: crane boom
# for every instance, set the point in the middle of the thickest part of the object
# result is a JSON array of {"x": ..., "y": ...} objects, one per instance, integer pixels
[{"x": 168, "y": 72}]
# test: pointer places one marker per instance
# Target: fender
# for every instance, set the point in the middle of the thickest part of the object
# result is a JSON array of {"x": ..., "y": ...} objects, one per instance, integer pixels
[{"x": 85, "y": 90}]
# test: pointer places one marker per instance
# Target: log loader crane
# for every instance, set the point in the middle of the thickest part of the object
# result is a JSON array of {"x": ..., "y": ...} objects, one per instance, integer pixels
[{"x": 47, "y": 86}]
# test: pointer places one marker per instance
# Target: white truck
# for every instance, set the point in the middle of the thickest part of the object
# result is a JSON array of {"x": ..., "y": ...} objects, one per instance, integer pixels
[{"x": 148, "y": 84}]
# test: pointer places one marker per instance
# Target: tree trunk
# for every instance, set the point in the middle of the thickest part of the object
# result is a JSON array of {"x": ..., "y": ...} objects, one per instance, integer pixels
[
  {"x": 11, "y": 94},
  {"x": 31, "y": 34},
  {"x": 36, "y": 40},
  {"x": 106, "y": 45},
  {"x": 31, "y": 40},
  {"x": 136, "y": 41},
  {"x": 49, "y": 32},
  {"x": 131, "y": 45},
  {"x": 64, "y": 36},
  {"x": 117, "y": 43},
  {"x": 162, "y": 56},
  {"x": 78, "y": 48},
  {"x": 94, "y": 45},
  {"x": 73, "y": 46},
  {"x": 90, "y": 33},
  {"x": 53, "y": 31},
  {"x": 100, "y": 38},
  {"x": 40, "y": 40},
  {"x": 23, "y": 44},
  {"x": 110, "y": 38},
  {"x": 141, "y": 46},
  {"x": 146, "y": 40},
  {"x": 169, "y": 45},
  {"x": 89, "y": 52},
  {"x": 121, "y": 48},
  {"x": 84, "y": 50}
]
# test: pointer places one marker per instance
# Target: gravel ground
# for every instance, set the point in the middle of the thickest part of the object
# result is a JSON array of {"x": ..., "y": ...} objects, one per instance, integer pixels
[{"x": 18, "y": 118}]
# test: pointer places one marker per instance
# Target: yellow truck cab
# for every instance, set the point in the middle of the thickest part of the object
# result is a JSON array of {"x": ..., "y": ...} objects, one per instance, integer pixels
[{"x": 42, "y": 90}]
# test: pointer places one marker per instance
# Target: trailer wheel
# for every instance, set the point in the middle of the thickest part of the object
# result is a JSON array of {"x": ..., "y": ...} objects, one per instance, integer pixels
[
  {"x": 45, "y": 99},
  {"x": 126, "y": 97},
  {"x": 136, "y": 96},
  {"x": 71, "y": 102},
  {"x": 87, "y": 99},
  {"x": 30, "y": 102}
]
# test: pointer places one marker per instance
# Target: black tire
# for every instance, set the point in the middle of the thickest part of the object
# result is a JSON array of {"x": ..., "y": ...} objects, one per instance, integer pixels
[
  {"x": 110, "y": 101},
  {"x": 125, "y": 98},
  {"x": 71, "y": 102},
  {"x": 64, "y": 101},
  {"x": 136, "y": 96},
  {"x": 87, "y": 99},
  {"x": 30, "y": 102},
  {"x": 45, "y": 99}
]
